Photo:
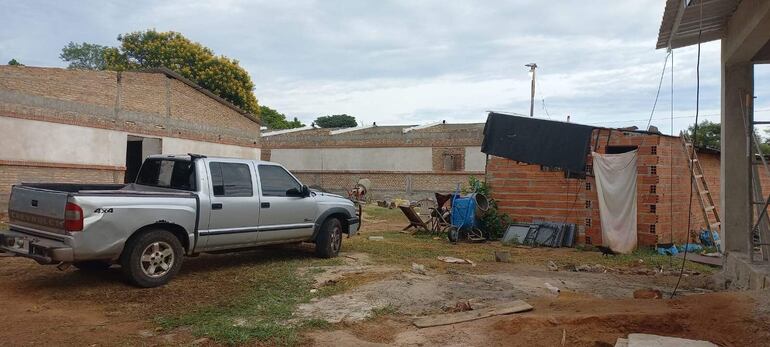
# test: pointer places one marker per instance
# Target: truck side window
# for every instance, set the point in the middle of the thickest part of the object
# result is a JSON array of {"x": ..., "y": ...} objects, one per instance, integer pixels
[
  {"x": 231, "y": 179},
  {"x": 275, "y": 181},
  {"x": 165, "y": 173}
]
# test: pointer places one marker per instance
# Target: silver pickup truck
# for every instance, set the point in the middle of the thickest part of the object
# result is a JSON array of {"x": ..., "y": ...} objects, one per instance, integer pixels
[{"x": 179, "y": 206}]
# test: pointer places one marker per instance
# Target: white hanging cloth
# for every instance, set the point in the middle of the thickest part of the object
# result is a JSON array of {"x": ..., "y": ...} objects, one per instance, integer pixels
[{"x": 616, "y": 188}]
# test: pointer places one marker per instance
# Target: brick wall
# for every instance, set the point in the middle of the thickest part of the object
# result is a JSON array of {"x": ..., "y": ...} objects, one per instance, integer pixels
[
  {"x": 136, "y": 102},
  {"x": 527, "y": 192},
  {"x": 411, "y": 178},
  {"x": 448, "y": 159},
  {"x": 443, "y": 135},
  {"x": 388, "y": 185},
  {"x": 530, "y": 192},
  {"x": 147, "y": 104}
]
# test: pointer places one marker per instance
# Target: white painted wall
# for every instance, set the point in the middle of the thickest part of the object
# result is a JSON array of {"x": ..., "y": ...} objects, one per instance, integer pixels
[
  {"x": 181, "y": 146},
  {"x": 29, "y": 140},
  {"x": 474, "y": 159},
  {"x": 36, "y": 141},
  {"x": 355, "y": 159}
]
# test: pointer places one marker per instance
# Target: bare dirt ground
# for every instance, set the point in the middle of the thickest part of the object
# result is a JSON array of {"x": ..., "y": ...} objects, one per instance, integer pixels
[{"x": 370, "y": 296}]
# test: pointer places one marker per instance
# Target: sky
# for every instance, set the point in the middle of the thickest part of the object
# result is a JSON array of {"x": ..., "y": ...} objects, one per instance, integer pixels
[{"x": 413, "y": 61}]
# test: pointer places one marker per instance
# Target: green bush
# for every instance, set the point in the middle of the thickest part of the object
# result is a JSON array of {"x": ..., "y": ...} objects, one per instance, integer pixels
[{"x": 493, "y": 223}]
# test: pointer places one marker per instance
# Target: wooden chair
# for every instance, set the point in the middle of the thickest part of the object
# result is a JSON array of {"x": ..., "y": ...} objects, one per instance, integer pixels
[{"x": 414, "y": 220}]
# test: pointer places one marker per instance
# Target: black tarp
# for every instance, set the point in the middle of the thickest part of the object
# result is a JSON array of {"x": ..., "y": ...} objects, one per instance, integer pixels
[{"x": 537, "y": 141}]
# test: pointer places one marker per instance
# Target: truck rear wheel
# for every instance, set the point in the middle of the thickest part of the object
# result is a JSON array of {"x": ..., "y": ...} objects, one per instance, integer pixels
[
  {"x": 152, "y": 258},
  {"x": 329, "y": 239}
]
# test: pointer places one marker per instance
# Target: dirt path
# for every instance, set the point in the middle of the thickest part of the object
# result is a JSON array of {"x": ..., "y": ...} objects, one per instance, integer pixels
[
  {"x": 51, "y": 307},
  {"x": 728, "y": 319},
  {"x": 45, "y": 306}
]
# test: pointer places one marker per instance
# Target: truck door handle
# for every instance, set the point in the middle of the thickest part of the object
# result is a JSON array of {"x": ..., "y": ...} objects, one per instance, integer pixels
[
  {"x": 216, "y": 206},
  {"x": 265, "y": 205}
]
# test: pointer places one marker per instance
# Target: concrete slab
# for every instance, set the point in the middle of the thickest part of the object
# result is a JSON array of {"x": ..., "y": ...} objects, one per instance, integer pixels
[
  {"x": 740, "y": 273},
  {"x": 648, "y": 340}
]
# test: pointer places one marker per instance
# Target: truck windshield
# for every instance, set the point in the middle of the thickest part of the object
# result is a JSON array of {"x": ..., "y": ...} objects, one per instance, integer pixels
[{"x": 167, "y": 173}]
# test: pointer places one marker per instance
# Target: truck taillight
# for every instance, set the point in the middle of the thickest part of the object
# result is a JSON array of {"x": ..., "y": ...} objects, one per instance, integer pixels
[{"x": 73, "y": 217}]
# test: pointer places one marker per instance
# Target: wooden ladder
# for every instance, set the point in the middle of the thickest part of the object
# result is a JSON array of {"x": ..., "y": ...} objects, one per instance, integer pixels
[{"x": 710, "y": 212}]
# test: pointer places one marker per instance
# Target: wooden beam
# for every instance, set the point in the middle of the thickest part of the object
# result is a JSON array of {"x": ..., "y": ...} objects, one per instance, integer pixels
[{"x": 459, "y": 317}]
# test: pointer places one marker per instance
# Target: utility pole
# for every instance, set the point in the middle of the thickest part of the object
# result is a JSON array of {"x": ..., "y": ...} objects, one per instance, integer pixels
[{"x": 532, "y": 67}]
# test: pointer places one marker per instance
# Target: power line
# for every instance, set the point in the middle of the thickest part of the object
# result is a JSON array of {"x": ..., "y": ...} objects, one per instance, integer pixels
[
  {"x": 545, "y": 109},
  {"x": 694, "y": 146}
]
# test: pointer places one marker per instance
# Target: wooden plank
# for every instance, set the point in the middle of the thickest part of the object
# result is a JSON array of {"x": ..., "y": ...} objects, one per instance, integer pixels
[{"x": 466, "y": 316}]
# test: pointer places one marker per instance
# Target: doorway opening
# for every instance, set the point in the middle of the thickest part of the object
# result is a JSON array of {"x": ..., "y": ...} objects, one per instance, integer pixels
[{"x": 138, "y": 148}]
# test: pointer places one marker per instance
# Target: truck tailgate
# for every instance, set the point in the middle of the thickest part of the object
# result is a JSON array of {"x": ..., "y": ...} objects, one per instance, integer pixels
[{"x": 37, "y": 208}]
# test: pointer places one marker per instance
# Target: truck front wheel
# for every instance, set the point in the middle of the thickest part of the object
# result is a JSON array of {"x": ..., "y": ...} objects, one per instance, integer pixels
[
  {"x": 329, "y": 239},
  {"x": 152, "y": 258}
]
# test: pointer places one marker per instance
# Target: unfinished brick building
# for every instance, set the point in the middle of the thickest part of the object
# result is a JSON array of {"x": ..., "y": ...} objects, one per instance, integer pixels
[
  {"x": 96, "y": 126},
  {"x": 532, "y": 192}
]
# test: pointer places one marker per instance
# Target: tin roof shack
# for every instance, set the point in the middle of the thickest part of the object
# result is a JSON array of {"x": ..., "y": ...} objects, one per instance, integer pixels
[
  {"x": 401, "y": 160},
  {"x": 97, "y": 126}
]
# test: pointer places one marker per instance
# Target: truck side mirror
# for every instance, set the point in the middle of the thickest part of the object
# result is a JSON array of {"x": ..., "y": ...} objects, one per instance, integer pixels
[{"x": 302, "y": 192}]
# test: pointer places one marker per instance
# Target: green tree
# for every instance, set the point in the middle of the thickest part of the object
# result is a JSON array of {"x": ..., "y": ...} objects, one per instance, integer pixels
[
  {"x": 152, "y": 49},
  {"x": 15, "y": 62},
  {"x": 275, "y": 120},
  {"x": 709, "y": 134},
  {"x": 84, "y": 56},
  {"x": 336, "y": 121}
]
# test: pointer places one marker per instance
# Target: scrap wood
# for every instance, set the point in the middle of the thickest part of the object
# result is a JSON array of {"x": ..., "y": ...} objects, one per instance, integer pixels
[
  {"x": 459, "y": 317},
  {"x": 456, "y": 260}
]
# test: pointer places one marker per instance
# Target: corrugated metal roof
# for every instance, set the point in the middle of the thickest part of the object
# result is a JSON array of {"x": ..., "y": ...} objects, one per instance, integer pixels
[{"x": 682, "y": 21}]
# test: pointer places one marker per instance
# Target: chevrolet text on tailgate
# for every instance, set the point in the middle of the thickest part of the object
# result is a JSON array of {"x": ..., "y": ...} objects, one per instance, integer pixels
[{"x": 179, "y": 206}]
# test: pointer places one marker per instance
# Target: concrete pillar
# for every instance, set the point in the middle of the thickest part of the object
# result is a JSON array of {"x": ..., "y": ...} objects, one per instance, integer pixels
[{"x": 737, "y": 80}]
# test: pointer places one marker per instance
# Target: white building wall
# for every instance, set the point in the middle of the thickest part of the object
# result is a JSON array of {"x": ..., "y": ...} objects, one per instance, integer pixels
[
  {"x": 172, "y": 145},
  {"x": 46, "y": 142},
  {"x": 36, "y": 141},
  {"x": 475, "y": 160},
  {"x": 355, "y": 159}
]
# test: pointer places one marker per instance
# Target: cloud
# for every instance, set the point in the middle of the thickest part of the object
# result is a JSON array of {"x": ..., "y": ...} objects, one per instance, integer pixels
[{"x": 407, "y": 61}]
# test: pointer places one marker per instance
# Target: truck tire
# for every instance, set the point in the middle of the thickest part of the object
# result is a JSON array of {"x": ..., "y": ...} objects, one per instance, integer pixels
[
  {"x": 152, "y": 258},
  {"x": 329, "y": 239},
  {"x": 92, "y": 265}
]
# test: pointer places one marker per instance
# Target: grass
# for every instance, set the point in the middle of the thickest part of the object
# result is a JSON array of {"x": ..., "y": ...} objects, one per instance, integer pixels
[
  {"x": 386, "y": 310},
  {"x": 265, "y": 313},
  {"x": 400, "y": 248},
  {"x": 381, "y": 213}
]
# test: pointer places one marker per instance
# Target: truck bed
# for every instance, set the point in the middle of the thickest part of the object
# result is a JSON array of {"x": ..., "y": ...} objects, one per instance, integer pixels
[{"x": 40, "y": 206}]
